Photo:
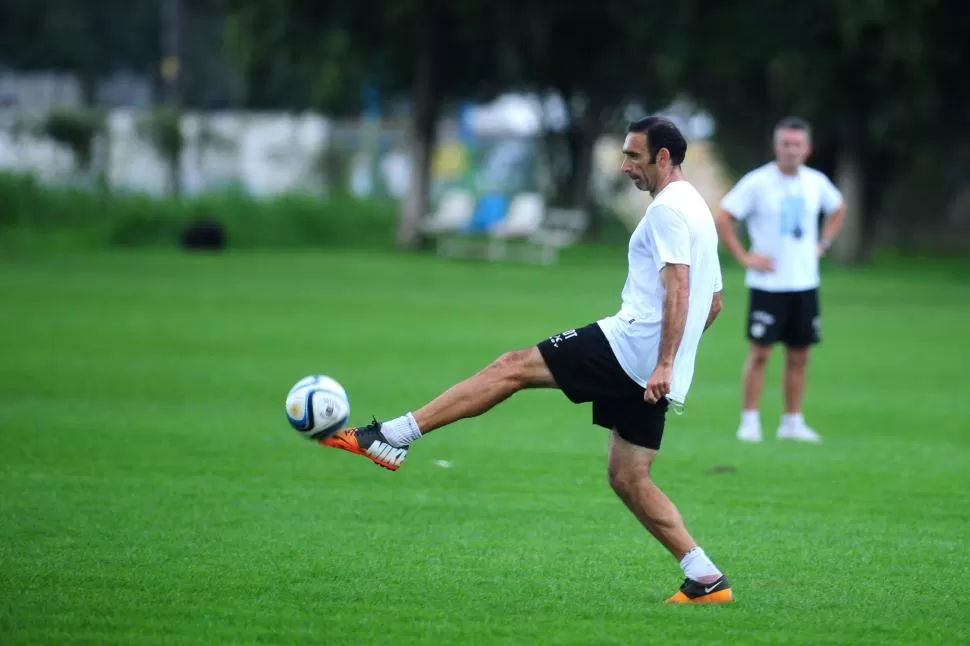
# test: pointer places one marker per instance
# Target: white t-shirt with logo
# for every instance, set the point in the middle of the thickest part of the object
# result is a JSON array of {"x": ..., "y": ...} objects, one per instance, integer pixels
[
  {"x": 781, "y": 214},
  {"x": 677, "y": 228}
]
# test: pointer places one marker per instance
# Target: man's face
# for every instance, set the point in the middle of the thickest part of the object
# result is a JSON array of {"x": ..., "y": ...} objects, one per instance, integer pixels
[
  {"x": 636, "y": 162},
  {"x": 791, "y": 148}
]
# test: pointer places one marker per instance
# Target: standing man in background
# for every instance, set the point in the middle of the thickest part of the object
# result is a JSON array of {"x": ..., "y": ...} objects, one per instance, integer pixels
[{"x": 779, "y": 203}]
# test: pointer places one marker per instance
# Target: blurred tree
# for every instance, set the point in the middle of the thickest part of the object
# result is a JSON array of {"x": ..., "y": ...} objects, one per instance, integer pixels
[
  {"x": 599, "y": 57},
  {"x": 96, "y": 39},
  {"x": 321, "y": 55},
  {"x": 877, "y": 79},
  {"x": 88, "y": 38}
]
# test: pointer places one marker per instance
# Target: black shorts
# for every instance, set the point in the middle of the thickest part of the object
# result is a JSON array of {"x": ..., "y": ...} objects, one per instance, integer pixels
[
  {"x": 792, "y": 318},
  {"x": 585, "y": 369}
]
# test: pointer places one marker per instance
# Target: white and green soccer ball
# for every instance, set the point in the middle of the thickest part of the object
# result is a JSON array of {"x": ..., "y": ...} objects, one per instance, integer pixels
[{"x": 317, "y": 407}]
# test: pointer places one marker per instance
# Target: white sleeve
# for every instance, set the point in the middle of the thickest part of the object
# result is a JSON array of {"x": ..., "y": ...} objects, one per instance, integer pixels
[
  {"x": 671, "y": 237},
  {"x": 739, "y": 201},
  {"x": 718, "y": 280},
  {"x": 831, "y": 197}
]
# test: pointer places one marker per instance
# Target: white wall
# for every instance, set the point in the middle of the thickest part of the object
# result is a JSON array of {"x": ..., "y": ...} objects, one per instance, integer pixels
[{"x": 264, "y": 153}]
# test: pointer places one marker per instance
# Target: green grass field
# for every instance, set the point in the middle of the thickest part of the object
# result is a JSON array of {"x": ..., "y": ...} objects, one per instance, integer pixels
[{"x": 151, "y": 491}]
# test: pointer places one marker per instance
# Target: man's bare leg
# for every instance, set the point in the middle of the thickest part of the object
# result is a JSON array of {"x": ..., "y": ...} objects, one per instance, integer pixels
[
  {"x": 796, "y": 363},
  {"x": 793, "y": 425},
  {"x": 754, "y": 375},
  {"x": 510, "y": 373},
  {"x": 752, "y": 384},
  {"x": 629, "y": 475},
  {"x": 386, "y": 443},
  {"x": 628, "y": 470}
]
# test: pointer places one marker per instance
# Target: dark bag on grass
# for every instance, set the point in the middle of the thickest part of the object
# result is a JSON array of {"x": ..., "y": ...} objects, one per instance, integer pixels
[{"x": 204, "y": 234}]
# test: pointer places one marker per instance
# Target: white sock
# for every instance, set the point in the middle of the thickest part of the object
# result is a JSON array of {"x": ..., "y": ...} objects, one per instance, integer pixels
[
  {"x": 698, "y": 567},
  {"x": 401, "y": 431},
  {"x": 750, "y": 417},
  {"x": 793, "y": 419}
]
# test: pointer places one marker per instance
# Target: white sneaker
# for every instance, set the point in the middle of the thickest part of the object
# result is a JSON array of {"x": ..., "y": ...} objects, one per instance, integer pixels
[
  {"x": 749, "y": 432},
  {"x": 798, "y": 432}
]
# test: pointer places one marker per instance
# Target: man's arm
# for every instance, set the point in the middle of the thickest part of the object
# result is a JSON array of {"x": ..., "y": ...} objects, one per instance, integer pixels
[
  {"x": 676, "y": 282},
  {"x": 729, "y": 237},
  {"x": 830, "y": 229},
  {"x": 671, "y": 257},
  {"x": 716, "y": 306},
  {"x": 833, "y": 206}
]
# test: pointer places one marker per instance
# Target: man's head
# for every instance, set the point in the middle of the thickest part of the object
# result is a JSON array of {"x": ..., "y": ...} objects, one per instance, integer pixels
[
  {"x": 653, "y": 149},
  {"x": 793, "y": 143}
]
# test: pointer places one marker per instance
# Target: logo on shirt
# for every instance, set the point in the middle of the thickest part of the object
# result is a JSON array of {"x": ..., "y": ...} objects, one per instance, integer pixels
[
  {"x": 791, "y": 215},
  {"x": 560, "y": 338}
]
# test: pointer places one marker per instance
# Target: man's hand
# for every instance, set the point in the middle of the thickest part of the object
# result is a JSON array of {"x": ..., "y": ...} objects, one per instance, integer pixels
[
  {"x": 658, "y": 386},
  {"x": 823, "y": 248},
  {"x": 725, "y": 223},
  {"x": 758, "y": 263}
]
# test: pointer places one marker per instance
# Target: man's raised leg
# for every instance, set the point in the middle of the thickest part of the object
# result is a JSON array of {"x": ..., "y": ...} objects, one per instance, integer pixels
[
  {"x": 510, "y": 373},
  {"x": 387, "y": 443},
  {"x": 629, "y": 475}
]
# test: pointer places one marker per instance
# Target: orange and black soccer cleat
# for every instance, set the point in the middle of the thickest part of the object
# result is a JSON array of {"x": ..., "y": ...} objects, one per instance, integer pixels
[
  {"x": 369, "y": 442},
  {"x": 697, "y": 592}
]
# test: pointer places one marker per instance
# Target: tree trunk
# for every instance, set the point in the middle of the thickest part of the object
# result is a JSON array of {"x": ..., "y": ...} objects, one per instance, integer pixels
[
  {"x": 426, "y": 107},
  {"x": 848, "y": 246},
  {"x": 174, "y": 176},
  {"x": 581, "y": 148},
  {"x": 862, "y": 174},
  {"x": 572, "y": 189},
  {"x": 171, "y": 73}
]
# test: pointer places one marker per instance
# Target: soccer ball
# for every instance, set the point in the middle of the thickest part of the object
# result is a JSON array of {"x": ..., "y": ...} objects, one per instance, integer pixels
[{"x": 317, "y": 407}]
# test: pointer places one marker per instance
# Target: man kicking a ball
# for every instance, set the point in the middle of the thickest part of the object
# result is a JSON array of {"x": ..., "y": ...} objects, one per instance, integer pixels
[{"x": 631, "y": 365}]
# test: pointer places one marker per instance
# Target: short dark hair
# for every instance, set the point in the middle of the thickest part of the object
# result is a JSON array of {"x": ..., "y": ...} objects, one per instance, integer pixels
[
  {"x": 794, "y": 123},
  {"x": 661, "y": 133}
]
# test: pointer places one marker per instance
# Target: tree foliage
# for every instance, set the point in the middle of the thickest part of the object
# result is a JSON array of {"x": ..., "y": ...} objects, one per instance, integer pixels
[
  {"x": 878, "y": 80},
  {"x": 882, "y": 82}
]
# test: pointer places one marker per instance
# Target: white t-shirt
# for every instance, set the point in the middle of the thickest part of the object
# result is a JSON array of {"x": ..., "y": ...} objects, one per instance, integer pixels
[
  {"x": 677, "y": 228},
  {"x": 781, "y": 214}
]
